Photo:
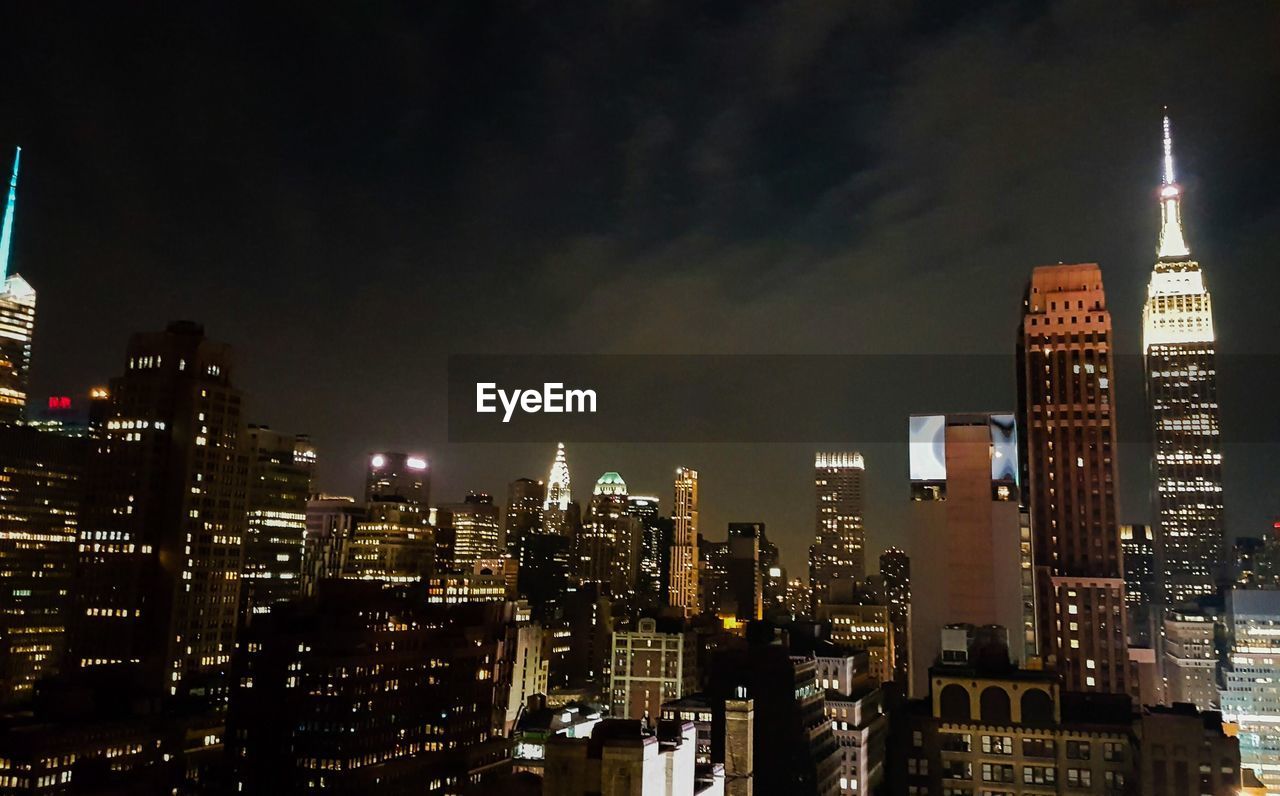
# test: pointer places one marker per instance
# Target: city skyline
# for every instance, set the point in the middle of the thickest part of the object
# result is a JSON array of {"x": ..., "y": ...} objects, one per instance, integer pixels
[{"x": 183, "y": 216}]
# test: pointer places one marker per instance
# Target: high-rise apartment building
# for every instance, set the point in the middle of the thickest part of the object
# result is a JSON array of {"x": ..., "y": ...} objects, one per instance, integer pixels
[
  {"x": 1251, "y": 692},
  {"x": 280, "y": 471},
  {"x": 1137, "y": 542},
  {"x": 684, "y": 547},
  {"x": 524, "y": 511},
  {"x": 474, "y": 524},
  {"x": 40, "y": 483},
  {"x": 654, "y": 550},
  {"x": 331, "y": 531},
  {"x": 1068, "y": 440},
  {"x": 972, "y": 563},
  {"x": 895, "y": 579},
  {"x": 17, "y": 317},
  {"x": 607, "y": 546},
  {"x": 837, "y": 554},
  {"x": 1180, "y": 363},
  {"x": 394, "y": 541},
  {"x": 163, "y": 519}
]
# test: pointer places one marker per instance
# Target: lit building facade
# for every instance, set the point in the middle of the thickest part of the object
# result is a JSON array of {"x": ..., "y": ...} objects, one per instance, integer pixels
[
  {"x": 394, "y": 541},
  {"x": 40, "y": 482},
  {"x": 837, "y": 554},
  {"x": 280, "y": 471},
  {"x": 331, "y": 531},
  {"x": 608, "y": 545},
  {"x": 162, "y": 523},
  {"x": 17, "y": 317},
  {"x": 559, "y": 495},
  {"x": 684, "y": 592},
  {"x": 1180, "y": 359},
  {"x": 895, "y": 580},
  {"x": 524, "y": 511},
  {"x": 1189, "y": 658},
  {"x": 1251, "y": 693},
  {"x": 475, "y": 527},
  {"x": 865, "y": 628},
  {"x": 1068, "y": 440},
  {"x": 650, "y": 667},
  {"x": 654, "y": 550},
  {"x": 1137, "y": 542}
]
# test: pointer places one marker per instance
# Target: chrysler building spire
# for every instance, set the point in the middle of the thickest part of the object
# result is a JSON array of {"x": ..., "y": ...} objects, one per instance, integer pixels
[
  {"x": 558, "y": 495},
  {"x": 1172, "y": 243}
]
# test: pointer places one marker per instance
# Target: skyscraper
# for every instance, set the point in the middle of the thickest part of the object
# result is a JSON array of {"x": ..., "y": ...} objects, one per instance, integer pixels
[
  {"x": 17, "y": 317},
  {"x": 555, "y": 506},
  {"x": 162, "y": 524},
  {"x": 524, "y": 511},
  {"x": 1068, "y": 438},
  {"x": 331, "y": 531},
  {"x": 280, "y": 468},
  {"x": 1251, "y": 696},
  {"x": 684, "y": 547},
  {"x": 836, "y": 555},
  {"x": 474, "y": 522},
  {"x": 1182, "y": 392},
  {"x": 394, "y": 541},
  {"x": 895, "y": 576},
  {"x": 40, "y": 483},
  {"x": 608, "y": 543},
  {"x": 651, "y": 572},
  {"x": 1139, "y": 581}
]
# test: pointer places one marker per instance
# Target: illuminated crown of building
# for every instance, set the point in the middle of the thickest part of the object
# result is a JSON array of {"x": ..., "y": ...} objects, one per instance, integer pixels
[
  {"x": 6, "y": 232},
  {"x": 839, "y": 459},
  {"x": 610, "y": 484},
  {"x": 1178, "y": 308},
  {"x": 558, "y": 482}
]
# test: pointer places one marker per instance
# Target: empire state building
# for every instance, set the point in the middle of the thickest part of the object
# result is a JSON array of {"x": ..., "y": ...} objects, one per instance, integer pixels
[{"x": 1181, "y": 373}]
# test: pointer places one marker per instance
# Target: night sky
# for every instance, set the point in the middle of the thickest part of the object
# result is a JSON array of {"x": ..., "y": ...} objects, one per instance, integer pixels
[{"x": 348, "y": 197}]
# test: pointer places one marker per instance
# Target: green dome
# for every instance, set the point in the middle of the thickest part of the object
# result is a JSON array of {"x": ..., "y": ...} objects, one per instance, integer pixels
[{"x": 610, "y": 484}]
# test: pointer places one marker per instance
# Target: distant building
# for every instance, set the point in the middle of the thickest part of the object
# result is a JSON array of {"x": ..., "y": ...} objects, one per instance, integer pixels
[
  {"x": 1180, "y": 363},
  {"x": 684, "y": 592},
  {"x": 865, "y": 628},
  {"x": 1251, "y": 692},
  {"x": 163, "y": 518},
  {"x": 17, "y": 318},
  {"x": 1189, "y": 659},
  {"x": 40, "y": 490},
  {"x": 280, "y": 471},
  {"x": 1184, "y": 752},
  {"x": 655, "y": 550},
  {"x": 854, "y": 704},
  {"x": 538, "y": 723},
  {"x": 368, "y": 687},
  {"x": 609, "y": 542},
  {"x": 837, "y": 554},
  {"x": 1138, "y": 544},
  {"x": 895, "y": 577},
  {"x": 558, "y": 497},
  {"x": 1068, "y": 438},
  {"x": 524, "y": 511},
  {"x": 394, "y": 541},
  {"x": 331, "y": 531},
  {"x": 650, "y": 666},
  {"x": 475, "y": 527}
]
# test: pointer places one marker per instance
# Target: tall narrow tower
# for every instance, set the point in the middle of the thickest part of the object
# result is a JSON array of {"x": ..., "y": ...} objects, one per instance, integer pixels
[
  {"x": 1068, "y": 428},
  {"x": 684, "y": 549},
  {"x": 17, "y": 317},
  {"x": 837, "y": 554},
  {"x": 1182, "y": 394},
  {"x": 555, "y": 506}
]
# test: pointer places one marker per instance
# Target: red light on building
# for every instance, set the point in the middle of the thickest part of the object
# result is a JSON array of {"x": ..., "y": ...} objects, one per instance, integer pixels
[{"x": 59, "y": 402}]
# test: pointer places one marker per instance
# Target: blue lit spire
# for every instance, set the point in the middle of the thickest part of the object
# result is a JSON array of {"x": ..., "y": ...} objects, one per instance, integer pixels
[{"x": 6, "y": 233}]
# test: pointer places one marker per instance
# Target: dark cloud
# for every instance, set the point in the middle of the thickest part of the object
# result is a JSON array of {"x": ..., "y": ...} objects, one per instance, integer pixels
[{"x": 350, "y": 195}]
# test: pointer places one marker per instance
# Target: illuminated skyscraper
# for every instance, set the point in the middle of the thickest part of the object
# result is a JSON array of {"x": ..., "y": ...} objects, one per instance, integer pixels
[
  {"x": 524, "y": 511},
  {"x": 17, "y": 318},
  {"x": 607, "y": 546},
  {"x": 895, "y": 576},
  {"x": 474, "y": 522},
  {"x": 652, "y": 571},
  {"x": 684, "y": 548},
  {"x": 1182, "y": 390},
  {"x": 555, "y": 506},
  {"x": 837, "y": 556},
  {"x": 280, "y": 468},
  {"x": 40, "y": 481},
  {"x": 1068, "y": 438},
  {"x": 163, "y": 519},
  {"x": 394, "y": 541}
]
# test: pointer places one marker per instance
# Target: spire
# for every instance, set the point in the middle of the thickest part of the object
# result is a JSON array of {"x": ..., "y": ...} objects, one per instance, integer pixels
[
  {"x": 6, "y": 233},
  {"x": 1172, "y": 243},
  {"x": 558, "y": 494}
]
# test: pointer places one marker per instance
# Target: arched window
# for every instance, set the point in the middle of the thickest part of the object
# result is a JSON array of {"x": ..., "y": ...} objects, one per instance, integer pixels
[
  {"x": 954, "y": 703},
  {"x": 1037, "y": 707},
  {"x": 994, "y": 706}
]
